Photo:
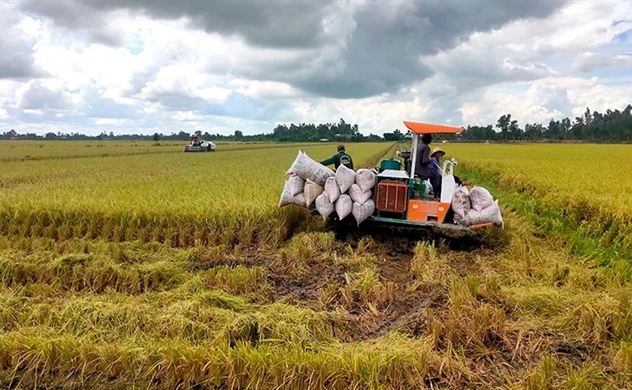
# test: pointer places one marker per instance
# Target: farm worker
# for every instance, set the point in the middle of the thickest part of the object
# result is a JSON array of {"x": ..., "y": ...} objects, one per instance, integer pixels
[
  {"x": 422, "y": 165},
  {"x": 435, "y": 170},
  {"x": 339, "y": 158}
]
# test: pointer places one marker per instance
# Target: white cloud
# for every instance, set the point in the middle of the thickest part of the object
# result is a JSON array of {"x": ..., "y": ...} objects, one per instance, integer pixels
[
  {"x": 587, "y": 62},
  {"x": 186, "y": 116},
  {"x": 265, "y": 89},
  {"x": 391, "y": 62}
]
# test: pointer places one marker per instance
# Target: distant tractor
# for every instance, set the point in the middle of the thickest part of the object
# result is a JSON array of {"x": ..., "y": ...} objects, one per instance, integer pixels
[{"x": 199, "y": 145}]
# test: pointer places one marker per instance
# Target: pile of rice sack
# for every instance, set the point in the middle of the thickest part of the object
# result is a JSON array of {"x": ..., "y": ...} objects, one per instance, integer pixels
[
  {"x": 475, "y": 206},
  {"x": 343, "y": 192}
]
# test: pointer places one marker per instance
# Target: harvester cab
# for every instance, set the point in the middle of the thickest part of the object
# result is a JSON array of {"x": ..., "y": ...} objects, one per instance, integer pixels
[{"x": 402, "y": 199}]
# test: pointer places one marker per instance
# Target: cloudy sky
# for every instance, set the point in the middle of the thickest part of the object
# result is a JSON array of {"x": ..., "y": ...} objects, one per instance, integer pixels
[{"x": 145, "y": 66}]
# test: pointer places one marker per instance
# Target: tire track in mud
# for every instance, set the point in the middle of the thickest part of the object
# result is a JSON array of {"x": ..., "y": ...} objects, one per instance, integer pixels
[{"x": 406, "y": 310}]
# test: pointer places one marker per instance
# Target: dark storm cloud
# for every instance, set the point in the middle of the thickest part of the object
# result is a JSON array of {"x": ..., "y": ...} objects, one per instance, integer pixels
[
  {"x": 76, "y": 15},
  {"x": 289, "y": 23},
  {"x": 377, "y": 44},
  {"x": 389, "y": 38}
]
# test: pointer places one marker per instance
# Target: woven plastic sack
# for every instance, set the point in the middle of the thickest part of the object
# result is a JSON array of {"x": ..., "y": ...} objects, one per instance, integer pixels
[
  {"x": 358, "y": 195},
  {"x": 362, "y": 211},
  {"x": 345, "y": 177},
  {"x": 332, "y": 189},
  {"x": 324, "y": 205},
  {"x": 311, "y": 191},
  {"x": 296, "y": 184},
  {"x": 309, "y": 169},
  {"x": 480, "y": 198},
  {"x": 489, "y": 214},
  {"x": 365, "y": 179},
  {"x": 287, "y": 198},
  {"x": 344, "y": 206},
  {"x": 461, "y": 204}
]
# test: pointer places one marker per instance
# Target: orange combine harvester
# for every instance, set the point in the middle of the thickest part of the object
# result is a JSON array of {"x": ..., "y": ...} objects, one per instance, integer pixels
[{"x": 396, "y": 199}]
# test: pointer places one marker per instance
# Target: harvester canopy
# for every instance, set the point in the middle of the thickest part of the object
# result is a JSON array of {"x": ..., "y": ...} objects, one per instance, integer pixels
[{"x": 427, "y": 128}]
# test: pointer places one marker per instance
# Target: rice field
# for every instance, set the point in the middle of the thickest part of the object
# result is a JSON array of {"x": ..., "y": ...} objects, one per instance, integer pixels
[
  {"x": 183, "y": 198},
  {"x": 53, "y": 150},
  {"x": 178, "y": 271},
  {"x": 585, "y": 187}
]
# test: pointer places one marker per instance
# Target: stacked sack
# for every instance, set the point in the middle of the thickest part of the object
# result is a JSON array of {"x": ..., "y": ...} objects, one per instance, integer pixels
[
  {"x": 306, "y": 181},
  {"x": 359, "y": 192},
  {"x": 475, "y": 206},
  {"x": 343, "y": 192}
]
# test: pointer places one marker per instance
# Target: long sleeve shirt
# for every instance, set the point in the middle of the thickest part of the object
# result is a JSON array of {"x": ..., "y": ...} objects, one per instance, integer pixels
[
  {"x": 339, "y": 158},
  {"x": 435, "y": 167},
  {"x": 422, "y": 165}
]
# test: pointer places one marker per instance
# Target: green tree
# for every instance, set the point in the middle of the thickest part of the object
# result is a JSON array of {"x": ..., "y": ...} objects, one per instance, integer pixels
[{"x": 503, "y": 125}]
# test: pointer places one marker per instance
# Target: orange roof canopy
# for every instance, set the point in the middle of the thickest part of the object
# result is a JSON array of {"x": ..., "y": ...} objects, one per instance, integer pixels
[{"x": 427, "y": 128}]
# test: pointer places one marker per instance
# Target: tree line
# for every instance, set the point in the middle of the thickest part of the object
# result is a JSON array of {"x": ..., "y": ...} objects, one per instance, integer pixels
[
  {"x": 593, "y": 126},
  {"x": 611, "y": 126}
]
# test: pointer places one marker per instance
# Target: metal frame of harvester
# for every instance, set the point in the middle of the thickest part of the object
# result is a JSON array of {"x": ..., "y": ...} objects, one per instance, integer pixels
[{"x": 393, "y": 193}]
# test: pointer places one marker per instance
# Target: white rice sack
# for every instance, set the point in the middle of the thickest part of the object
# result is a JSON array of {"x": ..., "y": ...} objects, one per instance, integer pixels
[
  {"x": 345, "y": 177},
  {"x": 324, "y": 205},
  {"x": 492, "y": 214},
  {"x": 296, "y": 184},
  {"x": 358, "y": 195},
  {"x": 488, "y": 214},
  {"x": 311, "y": 191},
  {"x": 344, "y": 206},
  {"x": 473, "y": 217},
  {"x": 309, "y": 169},
  {"x": 362, "y": 211},
  {"x": 365, "y": 179},
  {"x": 460, "y": 203},
  {"x": 480, "y": 198},
  {"x": 287, "y": 198},
  {"x": 332, "y": 189}
]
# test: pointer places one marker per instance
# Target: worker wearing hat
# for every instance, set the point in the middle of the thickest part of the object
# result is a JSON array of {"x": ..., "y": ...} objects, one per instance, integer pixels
[
  {"x": 339, "y": 158},
  {"x": 436, "y": 175},
  {"x": 435, "y": 170}
]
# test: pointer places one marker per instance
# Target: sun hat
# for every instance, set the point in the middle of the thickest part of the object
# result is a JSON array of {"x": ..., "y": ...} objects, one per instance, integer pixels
[{"x": 436, "y": 150}]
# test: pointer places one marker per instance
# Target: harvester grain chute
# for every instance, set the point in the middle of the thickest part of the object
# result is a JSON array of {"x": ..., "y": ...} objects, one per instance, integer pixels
[
  {"x": 199, "y": 145},
  {"x": 394, "y": 196}
]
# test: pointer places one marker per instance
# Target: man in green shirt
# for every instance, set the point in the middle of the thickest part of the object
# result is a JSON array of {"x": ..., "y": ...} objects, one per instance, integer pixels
[{"x": 339, "y": 158}]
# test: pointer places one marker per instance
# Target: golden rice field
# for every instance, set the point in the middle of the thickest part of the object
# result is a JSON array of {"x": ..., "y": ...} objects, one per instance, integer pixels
[
  {"x": 587, "y": 186},
  {"x": 183, "y": 198},
  {"x": 168, "y": 270},
  {"x": 51, "y": 150}
]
